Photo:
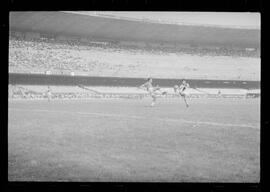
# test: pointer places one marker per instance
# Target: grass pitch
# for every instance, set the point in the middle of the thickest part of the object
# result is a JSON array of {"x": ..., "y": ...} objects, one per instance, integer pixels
[{"x": 214, "y": 140}]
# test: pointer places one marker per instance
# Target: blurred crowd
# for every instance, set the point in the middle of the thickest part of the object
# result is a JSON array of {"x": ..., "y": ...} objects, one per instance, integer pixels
[
  {"x": 53, "y": 54},
  {"x": 19, "y": 92}
]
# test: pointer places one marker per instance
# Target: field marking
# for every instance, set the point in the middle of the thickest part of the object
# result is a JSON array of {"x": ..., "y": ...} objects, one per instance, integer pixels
[{"x": 139, "y": 117}]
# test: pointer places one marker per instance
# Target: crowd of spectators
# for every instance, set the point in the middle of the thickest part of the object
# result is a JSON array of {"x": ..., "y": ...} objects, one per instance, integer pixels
[
  {"x": 19, "y": 92},
  {"x": 194, "y": 50},
  {"x": 49, "y": 53},
  {"x": 42, "y": 54}
]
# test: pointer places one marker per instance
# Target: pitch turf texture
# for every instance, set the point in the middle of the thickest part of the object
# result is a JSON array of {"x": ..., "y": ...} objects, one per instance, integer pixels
[{"x": 214, "y": 140}]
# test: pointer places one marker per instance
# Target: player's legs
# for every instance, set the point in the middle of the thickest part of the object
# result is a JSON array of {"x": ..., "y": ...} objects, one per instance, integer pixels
[
  {"x": 153, "y": 101},
  {"x": 154, "y": 98},
  {"x": 185, "y": 101},
  {"x": 183, "y": 95},
  {"x": 49, "y": 97}
]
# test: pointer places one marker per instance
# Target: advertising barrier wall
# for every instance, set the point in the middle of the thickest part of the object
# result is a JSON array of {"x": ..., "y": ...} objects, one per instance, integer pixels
[{"x": 69, "y": 80}]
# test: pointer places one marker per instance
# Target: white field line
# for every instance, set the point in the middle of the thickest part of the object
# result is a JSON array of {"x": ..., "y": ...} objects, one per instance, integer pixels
[{"x": 139, "y": 117}]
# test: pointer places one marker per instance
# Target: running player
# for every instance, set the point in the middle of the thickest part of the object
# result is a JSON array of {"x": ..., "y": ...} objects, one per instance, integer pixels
[
  {"x": 49, "y": 93},
  {"x": 181, "y": 90},
  {"x": 219, "y": 93},
  {"x": 153, "y": 91}
]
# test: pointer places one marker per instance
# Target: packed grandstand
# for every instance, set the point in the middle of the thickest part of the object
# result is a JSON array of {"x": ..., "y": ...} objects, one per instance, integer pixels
[
  {"x": 118, "y": 59},
  {"x": 47, "y": 53}
]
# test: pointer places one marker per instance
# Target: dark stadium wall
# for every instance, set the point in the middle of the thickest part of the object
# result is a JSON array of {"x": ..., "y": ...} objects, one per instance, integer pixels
[{"x": 67, "y": 80}]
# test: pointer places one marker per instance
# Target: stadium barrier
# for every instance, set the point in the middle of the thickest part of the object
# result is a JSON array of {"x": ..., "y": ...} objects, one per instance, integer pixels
[{"x": 69, "y": 80}]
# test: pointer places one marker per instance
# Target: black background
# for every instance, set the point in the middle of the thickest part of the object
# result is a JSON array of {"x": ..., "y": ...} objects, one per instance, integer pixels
[{"x": 128, "y": 5}]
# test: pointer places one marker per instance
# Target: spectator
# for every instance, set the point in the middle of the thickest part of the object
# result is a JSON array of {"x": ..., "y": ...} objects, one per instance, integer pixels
[{"x": 49, "y": 54}]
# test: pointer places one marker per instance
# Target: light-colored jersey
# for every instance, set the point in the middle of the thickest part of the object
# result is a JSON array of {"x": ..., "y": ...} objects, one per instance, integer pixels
[
  {"x": 183, "y": 87},
  {"x": 49, "y": 93},
  {"x": 148, "y": 86}
]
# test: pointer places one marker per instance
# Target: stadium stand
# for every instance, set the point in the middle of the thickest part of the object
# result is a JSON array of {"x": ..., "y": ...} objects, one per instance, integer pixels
[
  {"x": 63, "y": 56},
  {"x": 45, "y": 47}
]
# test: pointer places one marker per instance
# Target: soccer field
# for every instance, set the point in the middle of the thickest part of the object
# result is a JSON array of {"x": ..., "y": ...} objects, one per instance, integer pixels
[{"x": 214, "y": 140}]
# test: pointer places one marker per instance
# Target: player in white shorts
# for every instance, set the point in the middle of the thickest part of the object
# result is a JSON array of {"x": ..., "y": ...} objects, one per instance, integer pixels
[
  {"x": 181, "y": 90},
  {"x": 153, "y": 91}
]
